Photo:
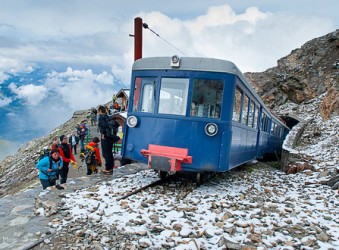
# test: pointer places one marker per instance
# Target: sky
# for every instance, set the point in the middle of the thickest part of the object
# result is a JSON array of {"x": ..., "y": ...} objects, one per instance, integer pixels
[{"x": 70, "y": 55}]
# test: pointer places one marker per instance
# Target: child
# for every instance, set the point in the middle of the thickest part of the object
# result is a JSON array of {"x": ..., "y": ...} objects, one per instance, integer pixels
[{"x": 92, "y": 156}]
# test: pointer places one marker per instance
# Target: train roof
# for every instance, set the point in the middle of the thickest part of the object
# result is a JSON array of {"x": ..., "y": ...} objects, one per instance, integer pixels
[
  {"x": 187, "y": 63},
  {"x": 197, "y": 64}
]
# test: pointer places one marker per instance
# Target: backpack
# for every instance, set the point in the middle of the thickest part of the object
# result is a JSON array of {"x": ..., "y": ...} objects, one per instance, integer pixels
[
  {"x": 43, "y": 153},
  {"x": 112, "y": 129},
  {"x": 83, "y": 127},
  {"x": 90, "y": 156}
]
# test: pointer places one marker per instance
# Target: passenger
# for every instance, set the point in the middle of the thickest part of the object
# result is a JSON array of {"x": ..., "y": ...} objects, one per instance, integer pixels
[
  {"x": 93, "y": 118},
  {"x": 107, "y": 110},
  {"x": 116, "y": 107},
  {"x": 106, "y": 143},
  {"x": 88, "y": 115},
  {"x": 48, "y": 168},
  {"x": 55, "y": 143},
  {"x": 74, "y": 141},
  {"x": 82, "y": 131},
  {"x": 67, "y": 157}
]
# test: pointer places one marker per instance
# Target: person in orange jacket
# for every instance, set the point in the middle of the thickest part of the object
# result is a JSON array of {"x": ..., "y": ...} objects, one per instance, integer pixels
[
  {"x": 93, "y": 159},
  {"x": 67, "y": 157}
]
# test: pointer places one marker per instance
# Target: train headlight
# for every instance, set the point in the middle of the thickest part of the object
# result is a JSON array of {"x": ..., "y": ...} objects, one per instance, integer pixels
[
  {"x": 211, "y": 129},
  {"x": 175, "y": 61},
  {"x": 132, "y": 121}
]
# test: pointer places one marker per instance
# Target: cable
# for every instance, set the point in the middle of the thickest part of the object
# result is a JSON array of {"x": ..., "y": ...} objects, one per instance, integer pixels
[{"x": 145, "y": 26}]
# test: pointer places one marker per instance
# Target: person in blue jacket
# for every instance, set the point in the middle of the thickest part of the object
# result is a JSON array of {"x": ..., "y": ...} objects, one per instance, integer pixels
[{"x": 48, "y": 168}]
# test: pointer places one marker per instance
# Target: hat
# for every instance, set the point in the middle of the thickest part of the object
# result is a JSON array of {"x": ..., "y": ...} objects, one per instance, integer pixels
[
  {"x": 55, "y": 150},
  {"x": 62, "y": 137},
  {"x": 95, "y": 139}
]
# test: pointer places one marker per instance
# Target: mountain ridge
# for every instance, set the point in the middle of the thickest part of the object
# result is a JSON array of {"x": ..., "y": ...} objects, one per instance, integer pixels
[{"x": 307, "y": 72}]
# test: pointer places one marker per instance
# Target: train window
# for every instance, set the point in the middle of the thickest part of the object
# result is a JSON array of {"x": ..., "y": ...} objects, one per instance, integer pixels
[
  {"x": 144, "y": 94},
  {"x": 245, "y": 110},
  {"x": 256, "y": 113},
  {"x": 207, "y": 98},
  {"x": 263, "y": 122},
  {"x": 273, "y": 126},
  {"x": 148, "y": 92},
  {"x": 279, "y": 131},
  {"x": 237, "y": 105},
  {"x": 268, "y": 125},
  {"x": 250, "y": 114},
  {"x": 259, "y": 117},
  {"x": 173, "y": 96},
  {"x": 136, "y": 97}
]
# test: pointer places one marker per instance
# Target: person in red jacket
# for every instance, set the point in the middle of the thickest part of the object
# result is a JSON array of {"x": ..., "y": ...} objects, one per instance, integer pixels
[
  {"x": 67, "y": 157},
  {"x": 93, "y": 159}
]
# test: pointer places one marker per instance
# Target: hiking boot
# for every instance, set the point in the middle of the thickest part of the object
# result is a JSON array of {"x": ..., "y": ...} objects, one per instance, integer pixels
[
  {"x": 59, "y": 187},
  {"x": 107, "y": 171}
]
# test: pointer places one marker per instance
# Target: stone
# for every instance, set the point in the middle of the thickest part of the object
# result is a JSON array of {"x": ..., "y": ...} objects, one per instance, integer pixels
[{"x": 323, "y": 237}]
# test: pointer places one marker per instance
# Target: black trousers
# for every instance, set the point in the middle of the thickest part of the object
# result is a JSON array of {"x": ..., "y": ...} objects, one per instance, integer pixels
[
  {"x": 106, "y": 148},
  {"x": 46, "y": 183},
  {"x": 74, "y": 149},
  {"x": 64, "y": 172},
  {"x": 91, "y": 169}
]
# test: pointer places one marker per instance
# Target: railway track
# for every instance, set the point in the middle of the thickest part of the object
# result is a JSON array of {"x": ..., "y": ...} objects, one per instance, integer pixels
[
  {"x": 140, "y": 189},
  {"x": 182, "y": 187}
]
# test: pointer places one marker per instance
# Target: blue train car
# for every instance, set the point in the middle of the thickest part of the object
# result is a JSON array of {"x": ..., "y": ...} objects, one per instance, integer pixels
[{"x": 196, "y": 115}]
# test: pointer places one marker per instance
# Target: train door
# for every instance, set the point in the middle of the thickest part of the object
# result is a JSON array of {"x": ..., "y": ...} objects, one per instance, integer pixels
[{"x": 206, "y": 109}]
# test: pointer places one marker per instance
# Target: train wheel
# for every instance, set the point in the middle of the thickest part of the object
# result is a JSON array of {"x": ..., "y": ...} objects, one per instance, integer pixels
[
  {"x": 208, "y": 175},
  {"x": 198, "y": 178},
  {"x": 125, "y": 161},
  {"x": 202, "y": 177},
  {"x": 162, "y": 174}
]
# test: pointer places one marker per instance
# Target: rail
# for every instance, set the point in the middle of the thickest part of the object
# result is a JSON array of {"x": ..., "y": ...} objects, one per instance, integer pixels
[{"x": 140, "y": 189}]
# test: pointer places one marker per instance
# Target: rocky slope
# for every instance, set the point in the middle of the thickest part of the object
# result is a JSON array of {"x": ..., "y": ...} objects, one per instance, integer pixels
[
  {"x": 303, "y": 75},
  {"x": 19, "y": 171},
  {"x": 308, "y": 74}
]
